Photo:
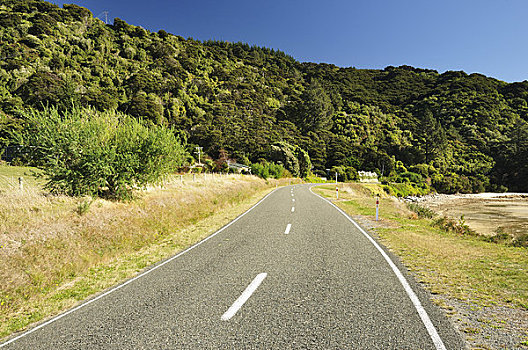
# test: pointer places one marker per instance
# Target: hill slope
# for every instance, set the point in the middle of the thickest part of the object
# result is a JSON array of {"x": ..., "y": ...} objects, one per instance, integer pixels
[{"x": 459, "y": 132}]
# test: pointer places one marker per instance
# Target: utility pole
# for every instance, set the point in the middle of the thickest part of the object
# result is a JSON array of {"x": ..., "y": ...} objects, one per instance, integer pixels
[
  {"x": 199, "y": 152},
  {"x": 105, "y": 14}
]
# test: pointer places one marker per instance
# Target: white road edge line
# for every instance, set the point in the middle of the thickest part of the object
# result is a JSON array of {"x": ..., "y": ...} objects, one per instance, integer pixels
[
  {"x": 244, "y": 296},
  {"x": 293, "y": 209},
  {"x": 435, "y": 337},
  {"x": 288, "y": 228},
  {"x": 134, "y": 278}
]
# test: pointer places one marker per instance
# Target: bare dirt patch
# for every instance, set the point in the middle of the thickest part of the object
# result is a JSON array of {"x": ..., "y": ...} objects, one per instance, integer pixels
[{"x": 486, "y": 213}]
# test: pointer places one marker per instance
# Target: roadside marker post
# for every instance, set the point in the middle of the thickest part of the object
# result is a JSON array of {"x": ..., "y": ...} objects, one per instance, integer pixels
[
  {"x": 337, "y": 192},
  {"x": 21, "y": 183},
  {"x": 377, "y": 208}
]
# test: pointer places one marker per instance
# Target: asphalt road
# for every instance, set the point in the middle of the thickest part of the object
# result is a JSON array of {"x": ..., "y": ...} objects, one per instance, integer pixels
[{"x": 277, "y": 278}]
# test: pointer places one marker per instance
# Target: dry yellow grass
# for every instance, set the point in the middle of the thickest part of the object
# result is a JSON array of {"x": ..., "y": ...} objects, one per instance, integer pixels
[{"x": 57, "y": 250}]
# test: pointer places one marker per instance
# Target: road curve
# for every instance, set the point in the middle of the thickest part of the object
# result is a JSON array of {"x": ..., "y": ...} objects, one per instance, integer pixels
[{"x": 292, "y": 273}]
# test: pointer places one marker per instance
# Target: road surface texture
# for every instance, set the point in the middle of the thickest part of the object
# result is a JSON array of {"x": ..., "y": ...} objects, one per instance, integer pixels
[{"x": 292, "y": 273}]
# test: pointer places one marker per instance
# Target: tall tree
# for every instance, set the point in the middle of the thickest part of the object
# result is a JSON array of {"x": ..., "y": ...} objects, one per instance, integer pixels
[
  {"x": 315, "y": 112},
  {"x": 431, "y": 137}
]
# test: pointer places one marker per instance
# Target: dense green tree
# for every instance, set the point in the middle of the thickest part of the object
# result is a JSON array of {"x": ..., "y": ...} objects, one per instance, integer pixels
[
  {"x": 42, "y": 89},
  {"x": 148, "y": 106},
  {"x": 314, "y": 111},
  {"x": 431, "y": 138},
  {"x": 459, "y": 132}
]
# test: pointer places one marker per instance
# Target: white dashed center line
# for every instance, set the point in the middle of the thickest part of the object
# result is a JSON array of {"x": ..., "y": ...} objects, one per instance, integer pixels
[
  {"x": 288, "y": 228},
  {"x": 244, "y": 296},
  {"x": 293, "y": 209}
]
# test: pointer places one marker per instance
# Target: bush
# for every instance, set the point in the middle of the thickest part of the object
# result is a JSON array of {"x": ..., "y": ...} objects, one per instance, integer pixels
[
  {"x": 344, "y": 173},
  {"x": 77, "y": 12},
  {"x": 508, "y": 238},
  {"x": 409, "y": 176},
  {"x": 86, "y": 152},
  {"x": 267, "y": 169},
  {"x": 454, "y": 183},
  {"x": 422, "y": 212},
  {"x": 451, "y": 225},
  {"x": 314, "y": 179},
  {"x": 406, "y": 189}
]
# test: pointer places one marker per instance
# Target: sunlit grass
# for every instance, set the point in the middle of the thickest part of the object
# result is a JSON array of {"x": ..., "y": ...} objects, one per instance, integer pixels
[
  {"x": 463, "y": 267},
  {"x": 53, "y": 254}
]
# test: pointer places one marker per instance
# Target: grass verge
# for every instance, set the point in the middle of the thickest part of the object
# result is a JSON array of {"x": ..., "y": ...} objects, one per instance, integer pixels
[
  {"x": 481, "y": 285},
  {"x": 461, "y": 266},
  {"x": 56, "y": 251}
]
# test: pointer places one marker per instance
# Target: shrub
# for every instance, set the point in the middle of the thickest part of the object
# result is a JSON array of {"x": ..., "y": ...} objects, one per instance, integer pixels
[
  {"x": 267, "y": 169},
  {"x": 508, "y": 238},
  {"x": 86, "y": 152},
  {"x": 276, "y": 170},
  {"x": 421, "y": 211},
  {"x": 77, "y": 12},
  {"x": 344, "y": 173},
  {"x": 406, "y": 189},
  {"x": 409, "y": 176},
  {"x": 451, "y": 225}
]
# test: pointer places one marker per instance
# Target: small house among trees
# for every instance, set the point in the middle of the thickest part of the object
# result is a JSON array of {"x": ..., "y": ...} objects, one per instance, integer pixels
[{"x": 238, "y": 168}]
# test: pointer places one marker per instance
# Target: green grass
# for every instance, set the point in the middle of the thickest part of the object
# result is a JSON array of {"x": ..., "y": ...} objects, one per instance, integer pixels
[{"x": 459, "y": 266}]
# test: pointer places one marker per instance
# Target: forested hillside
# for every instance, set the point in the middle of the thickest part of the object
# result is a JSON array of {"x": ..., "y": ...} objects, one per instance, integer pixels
[{"x": 458, "y": 132}]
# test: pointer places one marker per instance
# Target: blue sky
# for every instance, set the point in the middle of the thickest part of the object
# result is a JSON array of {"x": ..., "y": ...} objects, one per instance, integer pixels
[{"x": 482, "y": 36}]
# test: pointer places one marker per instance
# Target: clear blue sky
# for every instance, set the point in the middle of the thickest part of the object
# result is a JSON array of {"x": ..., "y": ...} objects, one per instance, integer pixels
[{"x": 483, "y": 36}]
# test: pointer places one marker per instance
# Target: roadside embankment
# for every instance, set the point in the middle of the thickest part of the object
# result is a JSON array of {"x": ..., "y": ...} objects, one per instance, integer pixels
[
  {"x": 481, "y": 285},
  {"x": 56, "y": 250}
]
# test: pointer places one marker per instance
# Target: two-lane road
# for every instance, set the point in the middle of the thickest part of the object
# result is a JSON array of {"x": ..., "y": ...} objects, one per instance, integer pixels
[{"x": 293, "y": 272}]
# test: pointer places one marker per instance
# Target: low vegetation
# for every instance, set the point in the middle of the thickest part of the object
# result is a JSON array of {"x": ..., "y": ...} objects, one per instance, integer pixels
[
  {"x": 56, "y": 250},
  {"x": 421, "y": 211}
]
